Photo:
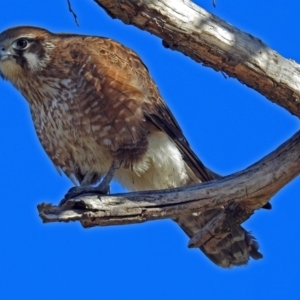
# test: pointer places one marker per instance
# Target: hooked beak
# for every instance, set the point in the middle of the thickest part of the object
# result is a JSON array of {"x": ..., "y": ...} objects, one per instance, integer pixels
[{"x": 4, "y": 53}]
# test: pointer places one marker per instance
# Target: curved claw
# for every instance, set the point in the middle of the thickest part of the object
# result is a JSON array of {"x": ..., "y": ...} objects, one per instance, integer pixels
[{"x": 79, "y": 190}]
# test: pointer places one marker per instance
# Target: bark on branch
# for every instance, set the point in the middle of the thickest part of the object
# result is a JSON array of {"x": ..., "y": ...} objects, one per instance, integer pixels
[
  {"x": 242, "y": 191},
  {"x": 185, "y": 27}
]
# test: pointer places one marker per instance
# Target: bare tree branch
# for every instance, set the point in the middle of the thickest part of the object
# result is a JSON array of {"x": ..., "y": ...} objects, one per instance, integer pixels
[
  {"x": 242, "y": 191},
  {"x": 185, "y": 27}
]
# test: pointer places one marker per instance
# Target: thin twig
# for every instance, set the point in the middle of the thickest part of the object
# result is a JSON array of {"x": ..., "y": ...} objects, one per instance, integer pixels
[{"x": 73, "y": 13}]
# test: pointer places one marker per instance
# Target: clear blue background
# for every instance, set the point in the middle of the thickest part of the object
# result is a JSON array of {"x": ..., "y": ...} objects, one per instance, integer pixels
[{"x": 228, "y": 125}]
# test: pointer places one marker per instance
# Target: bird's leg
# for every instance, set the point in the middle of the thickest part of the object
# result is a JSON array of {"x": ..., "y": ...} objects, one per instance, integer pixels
[
  {"x": 87, "y": 179},
  {"x": 104, "y": 184},
  {"x": 102, "y": 188},
  {"x": 77, "y": 190}
]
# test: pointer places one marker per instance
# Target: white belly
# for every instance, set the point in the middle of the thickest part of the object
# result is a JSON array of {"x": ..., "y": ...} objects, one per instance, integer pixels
[{"x": 161, "y": 167}]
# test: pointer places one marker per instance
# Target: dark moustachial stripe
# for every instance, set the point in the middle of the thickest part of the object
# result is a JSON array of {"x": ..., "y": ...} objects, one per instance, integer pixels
[{"x": 35, "y": 47}]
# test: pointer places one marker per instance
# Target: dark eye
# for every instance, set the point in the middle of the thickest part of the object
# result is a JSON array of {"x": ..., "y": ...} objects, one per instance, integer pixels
[{"x": 21, "y": 44}]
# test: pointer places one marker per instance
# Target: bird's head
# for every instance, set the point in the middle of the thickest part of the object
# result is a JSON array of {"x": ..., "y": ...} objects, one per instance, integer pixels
[{"x": 23, "y": 50}]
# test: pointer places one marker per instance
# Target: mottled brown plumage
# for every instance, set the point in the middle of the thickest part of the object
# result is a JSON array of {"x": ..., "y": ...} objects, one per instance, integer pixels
[{"x": 92, "y": 102}]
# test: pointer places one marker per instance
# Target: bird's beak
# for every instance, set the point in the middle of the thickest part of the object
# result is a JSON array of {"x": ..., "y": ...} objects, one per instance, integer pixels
[{"x": 4, "y": 53}]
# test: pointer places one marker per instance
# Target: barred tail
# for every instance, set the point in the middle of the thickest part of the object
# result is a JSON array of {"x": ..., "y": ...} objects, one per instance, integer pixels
[{"x": 235, "y": 249}]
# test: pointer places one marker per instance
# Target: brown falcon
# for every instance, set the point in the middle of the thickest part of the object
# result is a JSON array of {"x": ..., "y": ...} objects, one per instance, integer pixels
[{"x": 95, "y": 108}]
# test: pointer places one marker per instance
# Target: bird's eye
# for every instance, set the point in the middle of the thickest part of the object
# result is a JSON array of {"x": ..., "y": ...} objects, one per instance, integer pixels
[{"x": 20, "y": 44}]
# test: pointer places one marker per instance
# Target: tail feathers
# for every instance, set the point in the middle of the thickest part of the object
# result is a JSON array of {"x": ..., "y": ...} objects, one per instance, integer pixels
[{"x": 234, "y": 249}]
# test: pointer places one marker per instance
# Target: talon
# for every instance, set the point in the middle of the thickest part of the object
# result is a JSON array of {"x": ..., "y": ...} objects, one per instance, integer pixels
[
  {"x": 71, "y": 190},
  {"x": 79, "y": 190},
  {"x": 62, "y": 202},
  {"x": 74, "y": 192},
  {"x": 103, "y": 190}
]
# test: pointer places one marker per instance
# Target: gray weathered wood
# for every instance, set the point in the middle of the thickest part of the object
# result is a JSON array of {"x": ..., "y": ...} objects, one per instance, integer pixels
[
  {"x": 186, "y": 27},
  {"x": 274, "y": 171}
]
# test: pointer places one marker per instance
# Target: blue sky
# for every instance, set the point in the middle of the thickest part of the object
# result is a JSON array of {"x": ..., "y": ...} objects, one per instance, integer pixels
[{"x": 227, "y": 124}]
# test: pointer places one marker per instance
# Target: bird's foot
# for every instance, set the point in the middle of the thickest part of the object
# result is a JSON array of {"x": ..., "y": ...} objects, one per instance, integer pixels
[
  {"x": 103, "y": 188},
  {"x": 79, "y": 190}
]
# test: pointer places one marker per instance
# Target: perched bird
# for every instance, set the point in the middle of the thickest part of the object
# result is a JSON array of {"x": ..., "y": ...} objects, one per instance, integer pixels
[{"x": 97, "y": 111}]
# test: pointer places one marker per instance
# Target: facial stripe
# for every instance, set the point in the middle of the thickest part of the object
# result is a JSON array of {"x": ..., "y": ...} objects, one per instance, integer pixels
[
  {"x": 32, "y": 57},
  {"x": 33, "y": 61}
]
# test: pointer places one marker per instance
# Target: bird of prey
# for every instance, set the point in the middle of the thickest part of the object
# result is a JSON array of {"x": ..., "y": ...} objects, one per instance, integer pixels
[{"x": 98, "y": 114}]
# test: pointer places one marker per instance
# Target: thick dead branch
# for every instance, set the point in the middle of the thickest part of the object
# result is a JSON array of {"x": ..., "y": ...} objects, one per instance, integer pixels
[
  {"x": 243, "y": 191},
  {"x": 185, "y": 27}
]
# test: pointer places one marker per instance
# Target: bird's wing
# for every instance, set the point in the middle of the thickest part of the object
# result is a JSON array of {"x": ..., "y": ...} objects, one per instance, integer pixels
[
  {"x": 127, "y": 93},
  {"x": 123, "y": 82},
  {"x": 157, "y": 112},
  {"x": 166, "y": 122}
]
